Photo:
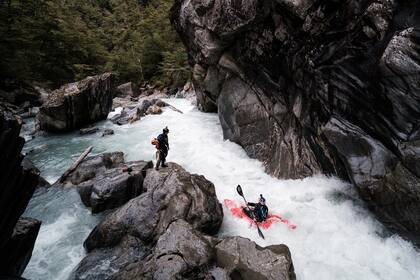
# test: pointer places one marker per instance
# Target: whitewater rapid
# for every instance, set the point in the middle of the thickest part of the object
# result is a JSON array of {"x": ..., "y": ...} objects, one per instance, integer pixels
[{"x": 336, "y": 237}]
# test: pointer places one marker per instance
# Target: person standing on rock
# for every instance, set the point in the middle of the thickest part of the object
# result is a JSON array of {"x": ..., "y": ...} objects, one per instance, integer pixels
[{"x": 163, "y": 148}]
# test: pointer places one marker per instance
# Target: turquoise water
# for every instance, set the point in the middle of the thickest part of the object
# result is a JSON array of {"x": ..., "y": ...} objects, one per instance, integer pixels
[{"x": 336, "y": 237}]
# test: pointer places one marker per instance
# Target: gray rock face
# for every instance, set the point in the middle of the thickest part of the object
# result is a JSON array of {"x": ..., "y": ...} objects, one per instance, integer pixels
[
  {"x": 171, "y": 194},
  {"x": 88, "y": 130},
  {"x": 18, "y": 184},
  {"x": 29, "y": 165},
  {"x": 283, "y": 74},
  {"x": 180, "y": 253},
  {"x": 246, "y": 260},
  {"x": 20, "y": 246},
  {"x": 134, "y": 112},
  {"x": 127, "y": 236},
  {"x": 107, "y": 132},
  {"x": 105, "y": 181},
  {"x": 78, "y": 104},
  {"x": 128, "y": 89},
  {"x": 162, "y": 235}
]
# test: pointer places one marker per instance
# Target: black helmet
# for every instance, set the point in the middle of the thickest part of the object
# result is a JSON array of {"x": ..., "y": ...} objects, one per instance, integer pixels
[
  {"x": 262, "y": 199},
  {"x": 166, "y": 130}
]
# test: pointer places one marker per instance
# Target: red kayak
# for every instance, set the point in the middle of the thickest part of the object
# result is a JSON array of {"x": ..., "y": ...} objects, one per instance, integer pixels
[{"x": 238, "y": 211}]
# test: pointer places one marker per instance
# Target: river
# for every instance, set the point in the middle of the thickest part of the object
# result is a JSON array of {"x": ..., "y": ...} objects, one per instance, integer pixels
[{"x": 335, "y": 238}]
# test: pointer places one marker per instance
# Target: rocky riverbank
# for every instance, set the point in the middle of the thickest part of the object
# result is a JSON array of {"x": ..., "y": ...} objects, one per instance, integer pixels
[{"x": 168, "y": 231}]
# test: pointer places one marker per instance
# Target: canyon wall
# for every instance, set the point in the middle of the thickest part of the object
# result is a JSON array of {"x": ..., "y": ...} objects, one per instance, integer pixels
[{"x": 313, "y": 87}]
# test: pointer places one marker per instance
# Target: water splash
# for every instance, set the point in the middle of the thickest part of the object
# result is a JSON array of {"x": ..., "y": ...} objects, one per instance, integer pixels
[{"x": 336, "y": 238}]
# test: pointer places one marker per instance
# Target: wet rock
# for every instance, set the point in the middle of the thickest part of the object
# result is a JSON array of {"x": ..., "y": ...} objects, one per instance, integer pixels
[
  {"x": 172, "y": 193},
  {"x": 88, "y": 130},
  {"x": 133, "y": 240},
  {"x": 29, "y": 165},
  {"x": 188, "y": 92},
  {"x": 30, "y": 112},
  {"x": 17, "y": 187},
  {"x": 128, "y": 115},
  {"x": 106, "y": 262},
  {"x": 128, "y": 89},
  {"x": 106, "y": 181},
  {"x": 183, "y": 252},
  {"x": 19, "y": 93},
  {"x": 107, "y": 132},
  {"x": 171, "y": 91},
  {"x": 77, "y": 104},
  {"x": 20, "y": 246},
  {"x": 180, "y": 253},
  {"x": 94, "y": 166},
  {"x": 246, "y": 260},
  {"x": 123, "y": 102},
  {"x": 154, "y": 110},
  {"x": 134, "y": 113},
  {"x": 163, "y": 234},
  {"x": 114, "y": 187},
  {"x": 38, "y": 149},
  {"x": 282, "y": 72}
]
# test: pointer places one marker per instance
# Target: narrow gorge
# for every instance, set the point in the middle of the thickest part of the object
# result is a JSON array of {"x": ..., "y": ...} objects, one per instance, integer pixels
[
  {"x": 312, "y": 87},
  {"x": 310, "y": 108}
]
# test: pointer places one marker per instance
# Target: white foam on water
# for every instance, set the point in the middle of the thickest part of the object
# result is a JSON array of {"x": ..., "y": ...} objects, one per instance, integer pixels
[
  {"x": 336, "y": 237},
  {"x": 65, "y": 225}
]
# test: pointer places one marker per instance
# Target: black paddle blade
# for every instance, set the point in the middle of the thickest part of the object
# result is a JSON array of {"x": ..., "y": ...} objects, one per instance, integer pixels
[
  {"x": 260, "y": 233},
  {"x": 239, "y": 190}
]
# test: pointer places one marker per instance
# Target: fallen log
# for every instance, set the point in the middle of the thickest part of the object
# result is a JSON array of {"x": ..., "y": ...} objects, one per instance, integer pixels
[
  {"x": 74, "y": 165},
  {"x": 175, "y": 109}
]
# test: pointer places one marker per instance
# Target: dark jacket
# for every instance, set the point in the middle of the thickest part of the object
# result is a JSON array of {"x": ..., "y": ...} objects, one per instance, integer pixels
[
  {"x": 260, "y": 211},
  {"x": 163, "y": 142}
]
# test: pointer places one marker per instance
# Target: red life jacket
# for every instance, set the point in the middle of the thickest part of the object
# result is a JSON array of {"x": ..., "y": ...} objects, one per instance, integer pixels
[{"x": 155, "y": 142}]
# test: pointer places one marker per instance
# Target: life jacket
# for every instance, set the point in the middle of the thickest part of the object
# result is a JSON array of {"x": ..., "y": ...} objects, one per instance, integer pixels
[
  {"x": 155, "y": 142},
  {"x": 261, "y": 212}
]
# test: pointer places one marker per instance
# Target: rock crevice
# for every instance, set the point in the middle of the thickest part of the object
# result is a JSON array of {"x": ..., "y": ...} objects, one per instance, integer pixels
[{"x": 17, "y": 185}]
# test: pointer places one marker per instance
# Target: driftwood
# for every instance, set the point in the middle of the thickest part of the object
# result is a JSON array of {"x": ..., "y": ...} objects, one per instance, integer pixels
[
  {"x": 74, "y": 165},
  {"x": 175, "y": 109}
]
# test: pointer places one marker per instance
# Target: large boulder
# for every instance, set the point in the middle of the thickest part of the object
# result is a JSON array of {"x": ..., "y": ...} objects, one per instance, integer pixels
[
  {"x": 171, "y": 193},
  {"x": 105, "y": 181},
  {"x": 19, "y": 247},
  {"x": 166, "y": 233},
  {"x": 78, "y": 104},
  {"x": 128, "y": 89},
  {"x": 29, "y": 165},
  {"x": 132, "y": 113},
  {"x": 280, "y": 73},
  {"x": 246, "y": 260},
  {"x": 17, "y": 185},
  {"x": 184, "y": 253},
  {"x": 127, "y": 236},
  {"x": 180, "y": 253}
]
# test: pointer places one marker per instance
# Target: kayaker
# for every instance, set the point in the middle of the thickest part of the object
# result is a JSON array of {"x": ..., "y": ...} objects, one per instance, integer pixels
[{"x": 259, "y": 210}]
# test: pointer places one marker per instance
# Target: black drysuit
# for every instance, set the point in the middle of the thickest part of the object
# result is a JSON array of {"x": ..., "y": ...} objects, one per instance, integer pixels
[{"x": 163, "y": 149}]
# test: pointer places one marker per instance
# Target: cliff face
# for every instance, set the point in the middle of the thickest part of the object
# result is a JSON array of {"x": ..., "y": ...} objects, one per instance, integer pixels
[
  {"x": 317, "y": 86},
  {"x": 17, "y": 185}
]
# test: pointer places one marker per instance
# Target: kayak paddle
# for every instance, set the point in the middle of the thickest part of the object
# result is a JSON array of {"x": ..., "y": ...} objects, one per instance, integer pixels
[{"x": 239, "y": 190}]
